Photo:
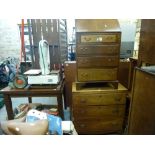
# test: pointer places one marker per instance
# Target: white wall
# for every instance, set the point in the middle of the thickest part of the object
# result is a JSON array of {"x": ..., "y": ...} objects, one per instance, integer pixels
[
  {"x": 9, "y": 39},
  {"x": 128, "y": 29}
]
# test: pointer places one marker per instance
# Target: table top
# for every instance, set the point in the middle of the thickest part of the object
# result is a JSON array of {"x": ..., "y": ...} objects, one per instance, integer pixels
[{"x": 35, "y": 90}]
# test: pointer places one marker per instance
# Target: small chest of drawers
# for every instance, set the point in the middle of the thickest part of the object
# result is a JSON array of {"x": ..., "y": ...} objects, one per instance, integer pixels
[
  {"x": 97, "y": 50},
  {"x": 98, "y": 110}
]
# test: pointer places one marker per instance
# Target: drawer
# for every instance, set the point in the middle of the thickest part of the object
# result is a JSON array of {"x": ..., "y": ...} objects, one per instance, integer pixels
[
  {"x": 102, "y": 50},
  {"x": 98, "y": 126},
  {"x": 97, "y": 61},
  {"x": 98, "y": 38},
  {"x": 98, "y": 99},
  {"x": 102, "y": 112},
  {"x": 91, "y": 74}
]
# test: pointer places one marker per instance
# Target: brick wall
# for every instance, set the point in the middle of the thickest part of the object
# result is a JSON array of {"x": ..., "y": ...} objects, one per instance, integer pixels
[{"x": 9, "y": 39}]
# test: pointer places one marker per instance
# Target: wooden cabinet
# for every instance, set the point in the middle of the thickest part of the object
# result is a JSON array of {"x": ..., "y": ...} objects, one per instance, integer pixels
[
  {"x": 147, "y": 42},
  {"x": 98, "y": 110},
  {"x": 142, "y": 109},
  {"x": 97, "y": 49}
]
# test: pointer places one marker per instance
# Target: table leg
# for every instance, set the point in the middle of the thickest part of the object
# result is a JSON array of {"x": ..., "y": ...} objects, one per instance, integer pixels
[
  {"x": 64, "y": 93},
  {"x": 60, "y": 106},
  {"x": 30, "y": 99},
  {"x": 8, "y": 104}
]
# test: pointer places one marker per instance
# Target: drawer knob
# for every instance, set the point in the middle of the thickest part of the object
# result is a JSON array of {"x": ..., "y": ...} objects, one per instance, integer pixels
[
  {"x": 115, "y": 111},
  {"x": 82, "y": 125},
  {"x": 82, "y": 111},
  {"x": 114, "y": 123},
  {"x": 83, "y": 101},
  {"x": 118, "y": 98}
]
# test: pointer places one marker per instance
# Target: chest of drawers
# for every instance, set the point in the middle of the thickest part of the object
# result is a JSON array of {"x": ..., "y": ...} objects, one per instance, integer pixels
[
  {"x": 97, "y": 110},
  {"x": 97, "y": 49}
]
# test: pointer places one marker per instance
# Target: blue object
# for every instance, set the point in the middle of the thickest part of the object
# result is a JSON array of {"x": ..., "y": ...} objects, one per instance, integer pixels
[{"x": 54, "y": 126}]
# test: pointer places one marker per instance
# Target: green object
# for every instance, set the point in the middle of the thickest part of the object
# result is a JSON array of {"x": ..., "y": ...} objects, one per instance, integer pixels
[{"x": 1, "y": 101}]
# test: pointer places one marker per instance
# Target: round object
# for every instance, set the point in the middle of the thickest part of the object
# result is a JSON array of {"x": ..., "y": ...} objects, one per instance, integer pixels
[{"x": 20, "y": 81}]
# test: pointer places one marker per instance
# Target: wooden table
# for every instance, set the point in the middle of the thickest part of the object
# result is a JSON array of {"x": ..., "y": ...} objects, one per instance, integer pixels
[{"x": 43, "y": 91}]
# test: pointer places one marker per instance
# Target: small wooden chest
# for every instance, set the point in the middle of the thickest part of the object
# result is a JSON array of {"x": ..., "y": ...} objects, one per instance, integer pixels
[
  {"x": 98, "y": 110},
  {"x": 97, "y": 49}
]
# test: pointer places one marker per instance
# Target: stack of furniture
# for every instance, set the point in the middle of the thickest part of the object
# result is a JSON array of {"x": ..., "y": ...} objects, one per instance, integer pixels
[{"x": 98, "y": 100}]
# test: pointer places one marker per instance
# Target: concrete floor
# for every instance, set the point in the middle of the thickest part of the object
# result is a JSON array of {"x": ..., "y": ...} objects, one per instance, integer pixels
[{"x": 18, "y": 101}]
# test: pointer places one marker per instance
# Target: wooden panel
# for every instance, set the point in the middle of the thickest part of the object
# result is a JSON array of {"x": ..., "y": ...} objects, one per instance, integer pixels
[
  {"x": 142, "y": 109},
  {"x": 34, "y": 32},
  {"x": 98, "y": 126},
  {"x": 98, "y": 38},
  {"x": 112, "y": 111},
  {"x": 97, "y": 61},
  {"x": 102, "y": 50},
  {"x": 38, "y": 30},
  {"x": 44, "y": 29},
  {"x": 70, "y": 76},
  {"x": 147, "y": 42},
  {"x": 49, "y": 29},
  {"x": 99, "y": 99},
  {"x": 97, "y": 25},
  {"x": 123, "y": 73},
  {"x": 97, "y": 74}
]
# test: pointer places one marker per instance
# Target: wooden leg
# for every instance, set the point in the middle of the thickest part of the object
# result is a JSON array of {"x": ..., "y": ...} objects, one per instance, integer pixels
[
  {"x": 64, "y": 93},
  {"x": 8, "y": 104},
  {"x": 30, "y": 99},
  {"x": 60, "y": 106}
]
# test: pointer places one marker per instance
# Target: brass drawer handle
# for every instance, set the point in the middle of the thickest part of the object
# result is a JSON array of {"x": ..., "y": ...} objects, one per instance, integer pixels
[
  {"x": 83, "y": 49},
  {"x": 114, "y": 123},
  {"x": 115, "y": 111},
  {"x": 82, "y": 111},
  {"x": 82, "y": 125},
  {"x": 84, "y": 75},
  {"x": 118, "y": 98},
  {"x": 82, "y": 101}
]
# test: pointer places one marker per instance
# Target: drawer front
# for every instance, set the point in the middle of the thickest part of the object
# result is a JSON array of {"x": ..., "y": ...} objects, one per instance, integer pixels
[
  {"x": 98, "y": 126},
  {"x": 90, "y": 112},
  {"x": 98, "y": 99},
  {"x": 92, "y": 62},
  {"x": 98, "y": 38},
  {"x": 85, "y": 75},
  {"x": 102, "y": 50}
]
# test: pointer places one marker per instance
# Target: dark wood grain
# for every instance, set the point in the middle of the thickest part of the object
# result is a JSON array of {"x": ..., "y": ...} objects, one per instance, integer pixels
[
  {"x": 142, "y": 109},
  {"x": 32, "y": 92}
]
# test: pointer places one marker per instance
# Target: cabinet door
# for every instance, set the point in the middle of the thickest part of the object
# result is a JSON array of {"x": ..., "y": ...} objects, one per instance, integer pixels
[{"x": 142, "y": 110}]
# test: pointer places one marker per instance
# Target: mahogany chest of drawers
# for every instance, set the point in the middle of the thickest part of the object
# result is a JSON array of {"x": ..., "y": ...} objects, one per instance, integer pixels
[
  {"x": 97, "y": 110},
  {"x": 97, "y": 49}
]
